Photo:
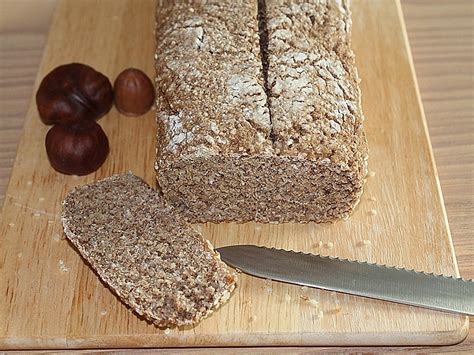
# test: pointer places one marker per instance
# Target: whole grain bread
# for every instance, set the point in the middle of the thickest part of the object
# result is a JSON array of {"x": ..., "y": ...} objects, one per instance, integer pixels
[
  {"x": 258, "y": 110},
  {"x": 152, "y": 260}
]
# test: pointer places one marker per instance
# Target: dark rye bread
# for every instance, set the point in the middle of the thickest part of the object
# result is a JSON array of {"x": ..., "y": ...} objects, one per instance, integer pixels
[
  {"x": 268, "y": 131},
  {"x": 155, "y": 263}
]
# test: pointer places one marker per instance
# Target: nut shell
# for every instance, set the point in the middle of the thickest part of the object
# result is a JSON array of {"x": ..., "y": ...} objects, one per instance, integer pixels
[
  {"x": 73, "y": 92},
  {"x": 78, "y": 148},
  {"x": 134, "y": 93}
]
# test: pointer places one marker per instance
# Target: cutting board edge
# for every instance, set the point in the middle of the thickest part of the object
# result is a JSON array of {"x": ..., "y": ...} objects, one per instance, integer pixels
[
  {"x": 427, "y": 135},
  {"x": 421, "y": 338},
  {"x": 31, "y": 107},
  {"x": 415, "y": 338}
]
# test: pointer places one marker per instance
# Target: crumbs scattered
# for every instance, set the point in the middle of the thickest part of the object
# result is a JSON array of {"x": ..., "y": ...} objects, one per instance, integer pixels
[
  {"x": 371, "y": 174},
  {"x": 313, "y": 302},
  {"x": 252, "y": 318},
  {"x": 319, "y": 244},
  {"x": 372, "y": 212},
  {"x": 167, "y": 331},
  {"x": 304, "y": 288},
  {"x": 103, "y": 312},
  {"x": 19, "y": 255},
  {"x": 373, "y": 199},
  {"x": 268, "y": 286},
  {"x": 319, "y": 315},
  {"x": 329, "y": 245},
  {"x": 50, "y": 221},
  {"x": 364, "y": 242},
  {"x": 36, "y": 214},
  {"x": 336, "y": 310},
  {"x": 11, "y": 224},
  {"x": 304, "y": 297},
  {"x": 29, "y": 183},
  {"x": 62, "y": 266},
  {"x": 56, "y": 237},
  {"x": 287, "y": 298},
  {"x": 41, "y": 199}
]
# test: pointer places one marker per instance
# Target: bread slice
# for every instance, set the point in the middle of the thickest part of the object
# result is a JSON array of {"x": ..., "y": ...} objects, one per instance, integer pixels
[
  {"x": 152, "y": 260},
  {"x": 269, "y": 131}
]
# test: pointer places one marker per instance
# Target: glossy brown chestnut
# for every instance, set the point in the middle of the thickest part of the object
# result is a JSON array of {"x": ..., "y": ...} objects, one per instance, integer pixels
[
  {"x": 133, "y": 92},
  {"x": 79, "y": 148},
  {"x": 73, "y": 92}
]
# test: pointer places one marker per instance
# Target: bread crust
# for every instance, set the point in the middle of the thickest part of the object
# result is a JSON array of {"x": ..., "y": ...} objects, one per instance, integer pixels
[
  {"x": 307, "y": 160},
  {"x": 143, "y": 251}
]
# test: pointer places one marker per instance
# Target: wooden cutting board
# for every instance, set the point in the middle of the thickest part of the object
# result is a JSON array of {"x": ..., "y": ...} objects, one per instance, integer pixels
[{"x": 51, "y": 299}]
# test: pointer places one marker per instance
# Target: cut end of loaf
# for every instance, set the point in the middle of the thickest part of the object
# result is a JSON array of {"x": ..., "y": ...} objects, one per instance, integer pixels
[
  {"x": 152, "y": 260},
  {"x": 262, "y": 189}
]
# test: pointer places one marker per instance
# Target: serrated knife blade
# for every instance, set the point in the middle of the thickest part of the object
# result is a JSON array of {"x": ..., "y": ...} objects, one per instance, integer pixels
[{"x": 357, "y": 278}]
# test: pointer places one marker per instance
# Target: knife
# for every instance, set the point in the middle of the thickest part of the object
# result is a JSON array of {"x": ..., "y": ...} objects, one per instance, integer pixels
[{"x": 357, "y": 278}]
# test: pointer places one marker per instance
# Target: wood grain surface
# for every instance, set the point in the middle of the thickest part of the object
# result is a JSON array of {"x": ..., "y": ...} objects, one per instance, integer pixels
[{"x": 441, "y": 38}]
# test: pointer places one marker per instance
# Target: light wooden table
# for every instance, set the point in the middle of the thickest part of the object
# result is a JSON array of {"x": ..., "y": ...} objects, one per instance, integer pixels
[{"x": 441, "y": 34}]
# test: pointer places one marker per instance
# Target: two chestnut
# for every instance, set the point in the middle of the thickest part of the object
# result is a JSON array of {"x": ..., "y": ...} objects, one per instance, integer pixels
[
  {"x": 79, "y": 148},
  {"x": 72, "y": 97},
  {"x": 73, "y": 92}
]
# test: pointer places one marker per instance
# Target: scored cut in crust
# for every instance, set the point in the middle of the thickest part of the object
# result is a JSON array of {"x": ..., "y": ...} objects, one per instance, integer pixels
[{"x": 258, "y": 110}]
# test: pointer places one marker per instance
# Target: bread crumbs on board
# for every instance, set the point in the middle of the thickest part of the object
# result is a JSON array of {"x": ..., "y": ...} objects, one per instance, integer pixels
[{"x": 62, "y": 266}]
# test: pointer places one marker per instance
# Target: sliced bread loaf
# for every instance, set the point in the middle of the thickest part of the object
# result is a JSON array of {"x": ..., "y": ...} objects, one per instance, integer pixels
[
  {"x": 153, "y": 261},
  {"x": 231, "y": 148}
]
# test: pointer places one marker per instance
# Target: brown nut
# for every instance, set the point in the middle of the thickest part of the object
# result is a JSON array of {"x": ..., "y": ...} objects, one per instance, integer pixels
[
  {"x": 73, "y": 92},
  {"x": 134, "y": 92},
  {"x": 79, "y": 148}
]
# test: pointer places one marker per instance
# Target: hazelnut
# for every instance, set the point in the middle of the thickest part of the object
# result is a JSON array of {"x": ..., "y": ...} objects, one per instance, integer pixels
[
  {"x": 79, "y": 148},
  {"x": 134, "y": 92},
  {"x": 73, "y": 92}
]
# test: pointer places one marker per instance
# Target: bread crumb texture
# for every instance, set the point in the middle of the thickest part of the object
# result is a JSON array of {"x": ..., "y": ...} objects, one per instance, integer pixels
[
  {"x": 62, "y": 266},
  {"x": 313, "y": 302},
  {"x": 233, "y": 146},
  {"x": 152, "y": 260}
]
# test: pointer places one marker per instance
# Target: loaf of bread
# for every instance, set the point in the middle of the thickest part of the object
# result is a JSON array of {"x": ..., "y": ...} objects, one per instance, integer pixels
[
  {"x": 258, "y": 111},
  {"x": 155, "y": 263}
]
